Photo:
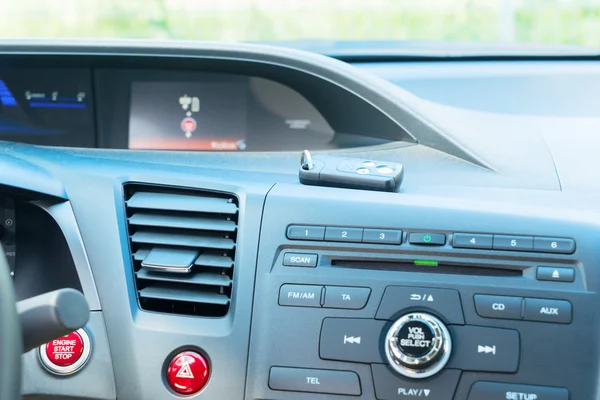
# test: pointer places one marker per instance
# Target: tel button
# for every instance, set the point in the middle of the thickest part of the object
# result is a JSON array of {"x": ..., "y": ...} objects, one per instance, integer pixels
[
  {"x": 187, "y": 373},
  {"x": 314, "y": 381},
  {"x": 300, "y": 260},
  {"x": 510, "y": 391},
  {"x": 503, "y": 307},
  {"x": 543, "y": 310}
]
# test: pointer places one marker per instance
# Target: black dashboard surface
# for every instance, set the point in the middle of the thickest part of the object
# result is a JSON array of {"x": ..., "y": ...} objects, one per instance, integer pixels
[{"x": 492, "y": 204}]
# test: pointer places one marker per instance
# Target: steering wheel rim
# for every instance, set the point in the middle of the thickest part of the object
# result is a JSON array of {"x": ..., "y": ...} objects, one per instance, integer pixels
[{"x": 11, "y": 343}]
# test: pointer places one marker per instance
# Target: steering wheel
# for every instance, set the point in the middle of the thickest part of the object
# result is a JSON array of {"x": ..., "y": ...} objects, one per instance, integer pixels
[{"x": 11, "y": 344}]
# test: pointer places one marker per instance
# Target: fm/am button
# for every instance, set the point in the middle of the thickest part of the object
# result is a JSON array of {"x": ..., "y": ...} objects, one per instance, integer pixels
[{"x": 300, "y": 296}]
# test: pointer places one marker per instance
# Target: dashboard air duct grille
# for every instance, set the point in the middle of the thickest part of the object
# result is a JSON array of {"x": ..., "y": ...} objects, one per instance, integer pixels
[{"x": 183, "y": 248}]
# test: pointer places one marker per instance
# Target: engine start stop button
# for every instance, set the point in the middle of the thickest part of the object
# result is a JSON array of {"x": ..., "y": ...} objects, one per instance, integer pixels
[{"x": 67, "y": 354}]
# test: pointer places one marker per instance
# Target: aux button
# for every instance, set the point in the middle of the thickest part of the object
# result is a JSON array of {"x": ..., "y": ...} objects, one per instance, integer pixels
[{"x": 418, "y": 345}]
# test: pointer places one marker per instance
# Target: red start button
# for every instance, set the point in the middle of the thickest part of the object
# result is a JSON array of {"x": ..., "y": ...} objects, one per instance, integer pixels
[
  {"x": 66, "y": 350},
  {"x": 66, "y": 354},
  {"x": 188, "y": 372}
]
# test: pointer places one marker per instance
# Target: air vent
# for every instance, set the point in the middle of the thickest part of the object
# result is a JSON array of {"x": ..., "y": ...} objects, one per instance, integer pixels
[{"x": 183, "y": 248}]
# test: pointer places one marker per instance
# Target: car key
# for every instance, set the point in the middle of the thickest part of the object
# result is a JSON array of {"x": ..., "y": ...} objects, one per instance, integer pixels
[{"x": 351, "y": 173}]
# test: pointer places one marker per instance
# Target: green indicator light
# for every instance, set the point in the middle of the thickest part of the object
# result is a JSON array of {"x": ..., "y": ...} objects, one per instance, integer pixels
[
  {"x": 427, "y": 238},
  {"x": 431, "y": 263}
]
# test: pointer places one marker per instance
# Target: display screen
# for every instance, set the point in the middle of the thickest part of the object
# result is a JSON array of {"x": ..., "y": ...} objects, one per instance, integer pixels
[
  {"x": 52, "y": 107},
  {"x": 207, "y": 114}
]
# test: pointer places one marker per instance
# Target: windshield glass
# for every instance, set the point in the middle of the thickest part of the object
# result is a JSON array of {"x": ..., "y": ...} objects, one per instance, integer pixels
[{"x": 555, "y": 22}]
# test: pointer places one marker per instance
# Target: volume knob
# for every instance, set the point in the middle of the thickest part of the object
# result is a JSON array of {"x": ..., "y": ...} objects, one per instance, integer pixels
[{"x": 418, "y": 345}]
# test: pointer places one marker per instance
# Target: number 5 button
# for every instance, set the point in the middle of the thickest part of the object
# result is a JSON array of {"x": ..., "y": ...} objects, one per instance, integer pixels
[
  {"x": 515, "y": 243},
  {"x": 472, "y": 241}
]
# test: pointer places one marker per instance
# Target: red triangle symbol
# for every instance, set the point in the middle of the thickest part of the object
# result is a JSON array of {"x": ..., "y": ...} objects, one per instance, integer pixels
[{"x": 185, "y": 372}]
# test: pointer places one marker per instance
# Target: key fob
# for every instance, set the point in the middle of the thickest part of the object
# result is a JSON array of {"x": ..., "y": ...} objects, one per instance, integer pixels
[{"x": 351, "y": 173}]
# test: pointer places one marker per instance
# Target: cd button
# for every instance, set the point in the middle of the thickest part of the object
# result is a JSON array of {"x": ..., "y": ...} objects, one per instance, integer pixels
[{"x": 503, "y": 307}]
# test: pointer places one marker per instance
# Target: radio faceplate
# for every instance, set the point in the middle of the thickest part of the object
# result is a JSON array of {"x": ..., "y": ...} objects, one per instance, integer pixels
[{"x": 415, "y": 320}]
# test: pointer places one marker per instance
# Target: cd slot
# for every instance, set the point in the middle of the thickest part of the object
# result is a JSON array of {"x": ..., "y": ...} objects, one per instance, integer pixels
[{"x": 431, "y": 267}]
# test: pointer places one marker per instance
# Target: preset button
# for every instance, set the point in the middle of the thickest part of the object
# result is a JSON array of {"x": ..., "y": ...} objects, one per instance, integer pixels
[
  {"x": 515, "y": 243},
  {"x": 382, "y": 236},
  {"x": 472, "y": 241},
  {"x": 335, "y": 234},
  {"x": 305, "y": 232}
]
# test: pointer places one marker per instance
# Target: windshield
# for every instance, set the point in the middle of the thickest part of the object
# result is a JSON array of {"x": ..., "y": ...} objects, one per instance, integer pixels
[{"x": 362, "y": 22}]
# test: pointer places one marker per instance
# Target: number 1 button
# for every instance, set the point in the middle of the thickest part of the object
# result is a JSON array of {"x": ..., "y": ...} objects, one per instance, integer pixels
[{"x": 472, "y": 241}]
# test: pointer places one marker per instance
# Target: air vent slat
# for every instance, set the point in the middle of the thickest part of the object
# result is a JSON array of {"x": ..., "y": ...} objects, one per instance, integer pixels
[
  {"x": 199, "y": 278},
  {"x": 182, "y": 222},
  {"x": 180, "y": 202},
  {"x": 214, "y": 260},
  {"x": 179, "y": 294},
  {"x": 154, "y": 236},
  {"x": 183, "y": 245}
]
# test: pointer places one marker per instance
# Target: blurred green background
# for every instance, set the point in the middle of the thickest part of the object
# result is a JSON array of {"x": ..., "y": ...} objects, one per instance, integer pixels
[{"x": 537, "y": 21}]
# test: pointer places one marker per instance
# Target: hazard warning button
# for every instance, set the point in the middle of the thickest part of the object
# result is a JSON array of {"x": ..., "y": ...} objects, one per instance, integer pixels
[{"x": 187, "y": 373}]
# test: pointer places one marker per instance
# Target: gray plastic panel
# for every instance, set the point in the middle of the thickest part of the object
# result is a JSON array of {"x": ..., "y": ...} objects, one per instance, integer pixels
[
  {"x": 94, "y": 381},
  {"x": 289, "y": 336},
  {"x": 63, "y": 215},
  {"x": 142, "y": 342}
]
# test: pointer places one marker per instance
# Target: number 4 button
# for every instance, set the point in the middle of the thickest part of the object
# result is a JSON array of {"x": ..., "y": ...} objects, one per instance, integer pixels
[{"x": 472, "y": 241}]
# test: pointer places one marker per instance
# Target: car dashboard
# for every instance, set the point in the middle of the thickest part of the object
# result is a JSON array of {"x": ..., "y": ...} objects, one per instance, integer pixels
[{"x": 161, "y": 181}]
